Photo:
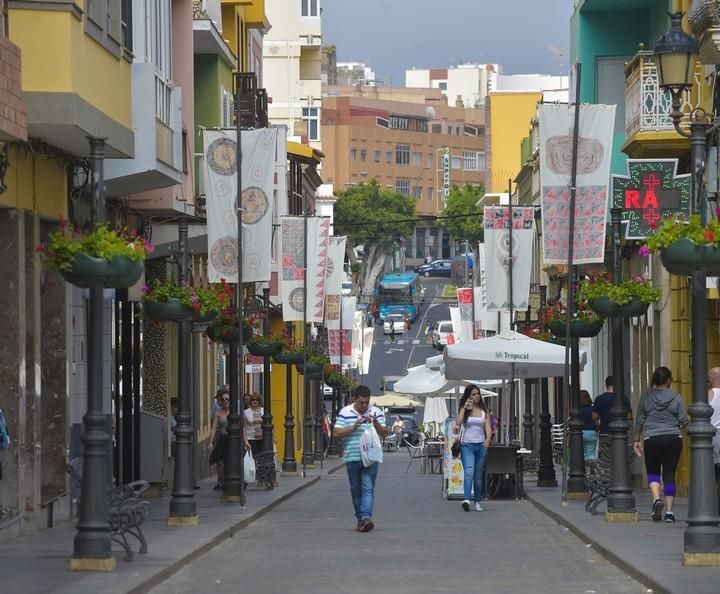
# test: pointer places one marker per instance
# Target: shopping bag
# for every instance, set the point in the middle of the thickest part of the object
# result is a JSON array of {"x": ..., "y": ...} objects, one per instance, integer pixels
[
  {"x": 249, "y": 467},
  {"x": 370, "y": 447}
]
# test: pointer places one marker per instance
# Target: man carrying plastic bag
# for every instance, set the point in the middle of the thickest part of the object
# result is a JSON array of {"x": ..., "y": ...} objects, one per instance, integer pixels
[{"x": 362, "y": 426}]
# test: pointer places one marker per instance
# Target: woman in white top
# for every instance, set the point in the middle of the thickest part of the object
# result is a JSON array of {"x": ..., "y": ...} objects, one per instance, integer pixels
[
  {"x": 253, "y": 423},
  {"x": 473, "y": 422},
  {"x": 714, "y": 400}
]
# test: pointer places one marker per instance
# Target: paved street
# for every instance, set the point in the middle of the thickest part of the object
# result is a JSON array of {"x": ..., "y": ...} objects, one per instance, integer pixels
[{"x": 422, "y": 544}]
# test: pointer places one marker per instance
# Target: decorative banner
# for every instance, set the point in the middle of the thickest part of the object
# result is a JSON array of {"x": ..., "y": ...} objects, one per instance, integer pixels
[
  {"x": 219, "y": 180},
  {"x": 349, "y": 305},
  {"x": 292, "y": 238},
  {"x": 497, "y": 255},
  {"x": 334, "y": 339},
  {"x": 465, "y": 306},
  {"x": 596, "y": 125},
  {"x": 651, "y": 192},
  {"x": 335, "y": 277}
]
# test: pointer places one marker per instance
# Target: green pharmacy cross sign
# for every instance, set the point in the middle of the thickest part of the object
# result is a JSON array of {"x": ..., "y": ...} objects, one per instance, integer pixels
[{"x": 650, "y": 193}]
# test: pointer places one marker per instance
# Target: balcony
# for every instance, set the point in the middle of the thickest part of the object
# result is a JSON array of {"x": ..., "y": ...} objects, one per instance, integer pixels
[
  {"x": 207, "y": 31},
  {"x": 648, "y": 127},
  {"x": 13, "y": 113},
  {"x": 157, "y": 118}
]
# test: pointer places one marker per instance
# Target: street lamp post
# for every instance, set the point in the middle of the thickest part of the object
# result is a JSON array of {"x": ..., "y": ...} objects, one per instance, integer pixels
[
  {"x": 267, "y": 419},
  {"x": 91, "y": 546},
  {"x": 546, "y": 468},
  {"x": 676, "y": 52},
  {"x": 621, "y": 502},
  {"x": 289, "y": 464},
  {"x": 183, "y": 510}
]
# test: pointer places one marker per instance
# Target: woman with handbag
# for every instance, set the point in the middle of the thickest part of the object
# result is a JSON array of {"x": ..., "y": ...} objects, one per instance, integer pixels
[{"x": 473, "y": 425}]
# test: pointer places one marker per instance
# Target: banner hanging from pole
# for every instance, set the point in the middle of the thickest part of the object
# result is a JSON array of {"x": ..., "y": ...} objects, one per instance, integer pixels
[
  {"x": 219, "y": 183},
  {"x": 497, "y": 255},
  {"x": 335, "y": 276},
  {"x": 594, "y": 152}
]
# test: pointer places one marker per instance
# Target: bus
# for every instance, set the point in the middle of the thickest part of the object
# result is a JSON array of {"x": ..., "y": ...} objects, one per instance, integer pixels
[{"x": 399, "y": 291}]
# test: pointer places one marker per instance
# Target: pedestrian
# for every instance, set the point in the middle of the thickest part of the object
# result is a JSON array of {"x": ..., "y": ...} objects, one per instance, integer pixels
[
  {"x": 428, "y": 328},
  {"x": 392, "y": 330},
  {"x": 714, "y": 400},
  {"x": 473, "y": 423},
  {"x": 326, "y": 426},
  {"x": 660, "y": 417},
  {"x": 253, "y": 423},
  {"x": 217, "y": 402},
  {"x": 589, "y": 430},
  {"x": 407, "y": 323},
  {"x": 218, "y": 439},
  {"x": 349, "y": 426},
  {"x": 602, "y": 415}
]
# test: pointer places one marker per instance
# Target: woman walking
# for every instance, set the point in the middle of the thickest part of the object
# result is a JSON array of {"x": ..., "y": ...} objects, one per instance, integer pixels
[
  {"x": 473, "y": 422},
  {"x": 660, "y": 417},
  {"x": 253, "y": 424},
  {"x": 218, "y": 439},
  {"x": 590, "y": 436}
]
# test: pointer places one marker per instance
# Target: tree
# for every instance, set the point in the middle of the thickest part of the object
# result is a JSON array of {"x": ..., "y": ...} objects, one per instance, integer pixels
[
  {"x": 369, "y": 216},
  {"x": 462, "y": 201}
]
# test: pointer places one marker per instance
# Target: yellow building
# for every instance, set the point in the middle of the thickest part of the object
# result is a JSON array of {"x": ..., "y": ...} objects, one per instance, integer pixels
[{"x": 508, "y": 115}]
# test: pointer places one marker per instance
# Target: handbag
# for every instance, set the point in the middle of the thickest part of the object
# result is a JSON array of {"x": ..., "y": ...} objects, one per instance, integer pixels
[{"x": 455, "y": 448}]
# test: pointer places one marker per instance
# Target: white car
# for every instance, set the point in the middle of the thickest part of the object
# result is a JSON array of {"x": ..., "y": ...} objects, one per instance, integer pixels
[
  {"x": 398, "y": 322},
  {"x": 441, "y": 333}
]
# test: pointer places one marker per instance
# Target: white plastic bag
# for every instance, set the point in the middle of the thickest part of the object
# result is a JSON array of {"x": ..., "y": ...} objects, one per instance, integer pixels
[
  {"x": 370, "y": 446},
  {"x": 249, "y": 467}
]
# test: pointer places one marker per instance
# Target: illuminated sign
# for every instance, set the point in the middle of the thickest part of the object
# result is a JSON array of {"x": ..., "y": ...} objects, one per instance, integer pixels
[
  {"x": 446, "y": 174},
  {"x": 650, "y": 193}
]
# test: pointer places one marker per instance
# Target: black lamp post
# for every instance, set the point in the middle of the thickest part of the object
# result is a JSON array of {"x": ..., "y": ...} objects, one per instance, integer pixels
[
  {"x": 289, "y": 463},
  {"x": 546, "y": 468},
  {"x": 676, "y": 53},
  {"x": 91, "y": 546},
  {"x": 267, "y": 420},
  {"x": 621, "y": 502},
  {"x": 182, "y": 505}
]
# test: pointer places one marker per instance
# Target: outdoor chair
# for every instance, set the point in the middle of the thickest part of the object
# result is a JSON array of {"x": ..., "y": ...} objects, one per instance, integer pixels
[
  {"x": 416, "y": 453},
  {"x": 502, "y": 460},
  {"x": 556, "y": 435},
  {"x": 392, "y": 442}
]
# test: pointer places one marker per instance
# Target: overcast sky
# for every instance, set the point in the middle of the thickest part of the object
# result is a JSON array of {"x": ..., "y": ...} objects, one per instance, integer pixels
[{"x": 395, "y": 35}]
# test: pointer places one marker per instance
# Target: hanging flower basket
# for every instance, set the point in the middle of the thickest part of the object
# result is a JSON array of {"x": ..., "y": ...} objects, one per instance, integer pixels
[
  {"x": 204, "y": 319},
  {"x": 227, "y": 335},
  {"x": 610, "y": 309},
  {"x": 316, "y": 375},
  {"x": 172, "y": 310},
  {"x": 578, "y": 328},
  {"x": 683, "y": 256},
  {"x": 288, "y": 358},
  {"x": 117, "y": 273},
  {"x": 335, "y": 381},
  {"x": 308, "y": 367},
  {"x": 267, "y": 349}
]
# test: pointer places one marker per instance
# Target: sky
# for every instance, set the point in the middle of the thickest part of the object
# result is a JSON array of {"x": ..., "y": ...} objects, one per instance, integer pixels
[{"x": 523, "y": 36}]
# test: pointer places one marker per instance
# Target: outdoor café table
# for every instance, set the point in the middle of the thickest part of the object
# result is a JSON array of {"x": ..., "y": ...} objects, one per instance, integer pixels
[
  {"x": 504, "y": 460},
  {"x": 433, "y": 456}
]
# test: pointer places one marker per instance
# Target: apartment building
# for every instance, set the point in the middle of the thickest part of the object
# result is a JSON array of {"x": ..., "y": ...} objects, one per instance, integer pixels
[{"x": 407, "y": 140}]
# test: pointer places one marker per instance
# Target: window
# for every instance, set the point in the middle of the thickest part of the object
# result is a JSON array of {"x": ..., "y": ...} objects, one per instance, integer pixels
[
  {"x": 402, "y": 185},
  {"x": 431, "y": 193},
  {"x": 382, "y": 122},
  {"x": 417, "y": 192},
  {"x": 417, "y": 159},
  {"x": 126, "y": 24},
  {"x": 430, "y": 161},
  {"x": 470, "y": 161},
  {"x": 363, "y": 154},
  {"x": 442, "y": 86},
  {"x": 408, "y": 123},
  {"x": 377, "y": 156},
  {"x": 160, "y": 52},
  {"x": 436, "y": 128},
  {"x": 482, "y": 165},
  {"x": 353, "y": 154},
  {"x": 311, "y": 116},
  {"x": 103, "y": 23},
  {"x": 226, "y": 108},
  {"x": 402, "y": 154},
  {"x": 310, "y": 8},
  {"x": 388, "y": 157},
  {"x": 456, "y": 163}
]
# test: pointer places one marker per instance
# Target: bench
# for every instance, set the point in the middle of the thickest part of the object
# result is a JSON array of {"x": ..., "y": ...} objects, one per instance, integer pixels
[
  {"x": 126, "y": 509},
  {"x": 597, "y": 480}
]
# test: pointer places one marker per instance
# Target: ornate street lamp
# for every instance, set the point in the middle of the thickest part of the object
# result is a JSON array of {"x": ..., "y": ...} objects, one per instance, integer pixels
[{"x": 676, "y": 52}]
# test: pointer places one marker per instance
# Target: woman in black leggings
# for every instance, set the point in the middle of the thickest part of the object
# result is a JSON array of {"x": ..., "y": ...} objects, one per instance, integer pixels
[{"x": 660, "y": 417}]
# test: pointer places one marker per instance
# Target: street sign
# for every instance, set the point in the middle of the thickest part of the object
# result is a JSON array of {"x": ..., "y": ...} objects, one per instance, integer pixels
[
  {"x": 446, "y": 174},
  {"x": 650, "y": 193}
]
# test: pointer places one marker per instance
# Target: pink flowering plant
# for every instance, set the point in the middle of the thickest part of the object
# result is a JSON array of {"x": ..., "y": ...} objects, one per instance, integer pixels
[
  {"x": 65, "y": 244},
  {"x": 202, "y": 300},
  {"x": 600, "y": 285},
  {"x": 674, "y": 228}
]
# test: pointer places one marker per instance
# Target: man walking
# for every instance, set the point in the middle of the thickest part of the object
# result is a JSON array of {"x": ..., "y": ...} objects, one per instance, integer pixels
[
  {"x": 602, "y": 415},
  {"x": 349, "y": 425}
]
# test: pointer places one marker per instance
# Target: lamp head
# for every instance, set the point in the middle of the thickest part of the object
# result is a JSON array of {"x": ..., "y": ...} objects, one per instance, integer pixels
[{"x": 676, "y": 52}]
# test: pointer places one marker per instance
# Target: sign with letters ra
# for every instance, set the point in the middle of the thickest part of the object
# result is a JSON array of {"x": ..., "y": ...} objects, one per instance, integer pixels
[{"x": 651, "y": 192}]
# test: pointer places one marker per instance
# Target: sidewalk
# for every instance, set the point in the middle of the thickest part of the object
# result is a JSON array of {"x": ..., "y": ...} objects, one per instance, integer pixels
[
  {"x": 38, "y": 562},
  {"x": 651, "y": 552}
]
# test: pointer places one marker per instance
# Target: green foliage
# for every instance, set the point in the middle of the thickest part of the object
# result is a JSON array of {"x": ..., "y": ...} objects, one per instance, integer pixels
[
  {"x": 582, "y": 311},
  {"x": 63, "y": 245},
  {"x": 675, "y": 228},
  {"x": 279, "y": 336},
  {"x": 600, "y": 285},
  {"x": 462, "y": 201},
  {"x": 203, "y": 300},
  {"x": 379, "y": 210}
]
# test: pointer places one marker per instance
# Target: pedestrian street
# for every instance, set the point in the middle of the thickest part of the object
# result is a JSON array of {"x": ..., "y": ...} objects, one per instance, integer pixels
[{"x": 421, "y": 544}]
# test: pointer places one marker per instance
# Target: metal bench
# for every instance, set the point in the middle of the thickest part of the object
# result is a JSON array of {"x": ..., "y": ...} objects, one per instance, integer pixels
[
  {"x": 597, "y": 481},
  {"x": 126, "y": 509}
]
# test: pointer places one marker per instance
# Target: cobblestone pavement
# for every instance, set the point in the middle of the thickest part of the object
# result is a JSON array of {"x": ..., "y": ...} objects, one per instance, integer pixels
[{"x": 421, "y": 544}]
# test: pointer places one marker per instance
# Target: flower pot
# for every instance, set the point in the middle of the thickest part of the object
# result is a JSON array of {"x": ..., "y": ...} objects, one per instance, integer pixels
[
  {"x": 683, "y": 256},
  {"x": 208, "y": 317},
  {"x": 610, "y": 309},
  {"x": 335, "y": 382},
  {"x": 229, "y": 335},
  {"x": 578, "y": 328},
  {"x": 264, "y": 349},
  {"x": 171, "y": 310},
  {"x": 117, "y": 273},
  {"x": 288, "y": 358},
  {"x": 308, "y": 368}
]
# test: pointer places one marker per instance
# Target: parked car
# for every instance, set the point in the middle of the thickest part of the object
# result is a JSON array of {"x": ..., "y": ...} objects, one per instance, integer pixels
[
  {"x": 436, "y": 268},
  {"x": 327, "y": 390},
  {"x": 398, "y": 322},
  {"x": 440, "y": 334}
]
